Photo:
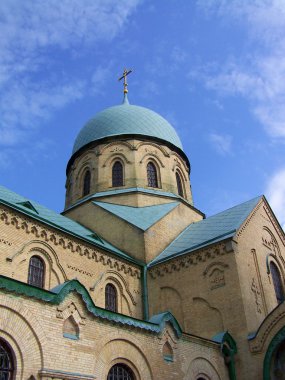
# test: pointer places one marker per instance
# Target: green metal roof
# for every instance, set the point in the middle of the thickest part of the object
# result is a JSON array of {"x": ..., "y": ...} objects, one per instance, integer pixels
[
  {"x": 126, "y": 119},
  {"x": 141, "y": 217},
  {"x": 56, "y": 220},
  {"x": 58, "y": 294},
  {"x": 208, "y": 231},
  {"x": 129, "y": 190}
]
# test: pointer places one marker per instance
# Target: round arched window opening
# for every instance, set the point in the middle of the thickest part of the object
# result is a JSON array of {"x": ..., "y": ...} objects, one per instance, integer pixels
[
  {"x": 86, "y": 183},
  {"x": 117, "y": 174},
  {"x": 36, "y": 272},
  {"x": 152, "y": 179},
  {"x": 121, "y": 371},
  {"x": 111, "y": 297},
  {"x": 7, "y": 362},
  {"x": 179, "y": 184}
]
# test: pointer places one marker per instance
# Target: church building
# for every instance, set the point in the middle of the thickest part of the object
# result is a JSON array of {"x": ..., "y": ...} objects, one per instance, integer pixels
[{"x": 131, "y": 281}]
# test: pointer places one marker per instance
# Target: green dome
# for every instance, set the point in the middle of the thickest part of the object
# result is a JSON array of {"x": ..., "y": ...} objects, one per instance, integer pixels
[{"x": 126, "y": 119}]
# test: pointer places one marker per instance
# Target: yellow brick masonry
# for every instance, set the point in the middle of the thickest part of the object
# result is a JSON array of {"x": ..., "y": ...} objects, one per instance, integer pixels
[
  {"x": 22, "y": 238},
  {"x": 134, "y": 155},
  {"x": 34, "y": 329}
]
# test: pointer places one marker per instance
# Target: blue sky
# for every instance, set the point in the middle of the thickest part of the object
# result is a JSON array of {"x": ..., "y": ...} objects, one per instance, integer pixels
[{"x": 215, "y": 69}]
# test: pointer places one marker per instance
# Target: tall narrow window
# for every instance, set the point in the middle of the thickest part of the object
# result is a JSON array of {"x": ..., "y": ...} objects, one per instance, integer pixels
[
  {"x": 151, "y": 175},
  {"x": 117, "y": 174},
  {"x": 167, "y": 352},
  {"x": 36, "y": 272},
  {"x": 277, "y": 282},
  {"x": 110, "y": 297},
  {"x": 120, "y": 372},
  {"x": 86, "y": 183},
  {"x": 6, "y": 362},
  {"x": 179, "y": 184}
]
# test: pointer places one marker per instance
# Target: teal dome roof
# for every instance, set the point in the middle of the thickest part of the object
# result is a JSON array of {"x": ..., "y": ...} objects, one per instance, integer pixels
[{"x": 126, "y": 119}]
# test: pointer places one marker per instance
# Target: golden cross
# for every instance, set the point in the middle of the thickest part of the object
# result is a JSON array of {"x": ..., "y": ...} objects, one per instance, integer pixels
[{"x": 125, "y": 73}]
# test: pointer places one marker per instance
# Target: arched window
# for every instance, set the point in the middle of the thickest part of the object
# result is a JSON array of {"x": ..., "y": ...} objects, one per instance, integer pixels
[
  {"x": 7, "y": 366},
  {"x": 277, "y": 369},
  {"x": 120, "y": 372},
  {"x": 110, "y": 297},
  {"x": 117, "y": 174},
  {"x": 277, "y": 282},
  {"x": 86, "y": 183},
  {"x": 179, "y": 184},
  {"x": 36, "y": 272},
  {"x": 151, "y": 175}
]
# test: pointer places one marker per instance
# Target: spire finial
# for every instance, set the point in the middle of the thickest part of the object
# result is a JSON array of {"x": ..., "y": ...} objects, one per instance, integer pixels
[{"x": 125, "y": 73}]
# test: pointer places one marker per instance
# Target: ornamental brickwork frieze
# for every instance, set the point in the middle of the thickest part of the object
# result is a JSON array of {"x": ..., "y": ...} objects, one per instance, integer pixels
[
  {"x": 58, "y": 239},
  {"x": 6, "y": 242},
  {"x": 274, "y": 222},
  {"x": 248, "y": 220},
  {"x": 187, "y": 260}
]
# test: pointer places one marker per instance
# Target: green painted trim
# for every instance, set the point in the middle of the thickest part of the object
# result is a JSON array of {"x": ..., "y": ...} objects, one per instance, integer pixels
[
  {"x": 167, "y": 317},
  {"x": 139, "y": 190},
  {"x": 278, "y": 338},
  {"x": 58, "y": 294},
  {"x": 145, "y": 293},
  {"x": 29, "y": 205},
  {"x": 229, "y": 349}
]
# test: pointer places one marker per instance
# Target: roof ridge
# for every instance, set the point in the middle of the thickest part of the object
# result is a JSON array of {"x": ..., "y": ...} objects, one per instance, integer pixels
[
  {"x": 227, "y": 209},
  {"x": 208, "y": 231},
  {"x": 138, "y": 207}
]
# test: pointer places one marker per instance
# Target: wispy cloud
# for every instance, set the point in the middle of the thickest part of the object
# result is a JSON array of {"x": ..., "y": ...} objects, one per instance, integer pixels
[
  {"x": 221, "y": 143},
  {"x": 35, "y": 38},
  {"x": 259, "y": 76},
  {"x": 276, "y": 194}
]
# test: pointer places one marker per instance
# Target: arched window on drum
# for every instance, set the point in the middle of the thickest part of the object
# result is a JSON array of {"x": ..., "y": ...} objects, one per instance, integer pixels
[
  {"x": 36, "y": 274},
  {"x": 86, "y": 183},
  {"x": 152, "y": 177},
  {"x": 117, "y": 174},
  {"x": 179, "y": 184}
]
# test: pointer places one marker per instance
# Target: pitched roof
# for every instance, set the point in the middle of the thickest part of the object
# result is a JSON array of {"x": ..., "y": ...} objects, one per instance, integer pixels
[
  {"x": 58, "y": 221},
  {"x": 141, "y": 217},
  {"x": 208, "y": 231}
]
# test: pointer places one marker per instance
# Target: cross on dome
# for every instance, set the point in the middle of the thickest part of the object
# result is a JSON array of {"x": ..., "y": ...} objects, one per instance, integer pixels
[{"x": 124, "y": 76}]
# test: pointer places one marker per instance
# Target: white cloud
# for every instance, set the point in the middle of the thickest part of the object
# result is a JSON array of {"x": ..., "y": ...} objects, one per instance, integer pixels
[
  {"x": 259, "y": 76},
  {"x": 37, "y": 36},
  {"x": 221, "y": 143},
  {"x": 276, "y": 195}
]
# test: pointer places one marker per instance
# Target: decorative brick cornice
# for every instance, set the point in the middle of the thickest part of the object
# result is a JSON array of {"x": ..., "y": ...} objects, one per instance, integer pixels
[
  {"x": 56, "y": 238},
  {"x": 248, "y": 219},
  {"x": 187, "y": 260},
  {"x": 275, "y": 223}
]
